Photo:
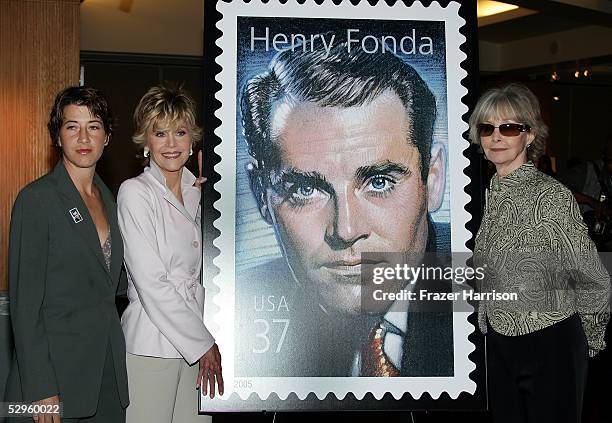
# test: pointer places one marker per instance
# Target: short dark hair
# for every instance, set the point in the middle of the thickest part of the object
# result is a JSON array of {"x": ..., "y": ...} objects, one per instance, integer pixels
[
  {"x": 346, "y": 77},
  {"x": 94, "y": 99}
]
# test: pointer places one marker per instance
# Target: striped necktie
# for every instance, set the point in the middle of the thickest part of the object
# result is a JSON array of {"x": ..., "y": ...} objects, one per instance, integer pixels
[{"x": 374, "y": 360}]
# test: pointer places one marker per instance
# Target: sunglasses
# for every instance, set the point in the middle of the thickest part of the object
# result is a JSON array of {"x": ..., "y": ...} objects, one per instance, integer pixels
[{"x": 506, "y": 129}]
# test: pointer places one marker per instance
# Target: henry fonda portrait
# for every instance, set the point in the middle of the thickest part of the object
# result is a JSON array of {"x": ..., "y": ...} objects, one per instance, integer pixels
[{"x": 342, "y": 161}]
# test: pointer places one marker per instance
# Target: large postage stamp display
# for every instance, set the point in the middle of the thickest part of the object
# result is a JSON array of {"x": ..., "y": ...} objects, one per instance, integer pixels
[{"x": 341, "y": 135}]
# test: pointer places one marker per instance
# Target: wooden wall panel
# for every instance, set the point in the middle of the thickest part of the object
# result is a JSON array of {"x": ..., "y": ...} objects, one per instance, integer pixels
[{"x": 39, "y": 55}]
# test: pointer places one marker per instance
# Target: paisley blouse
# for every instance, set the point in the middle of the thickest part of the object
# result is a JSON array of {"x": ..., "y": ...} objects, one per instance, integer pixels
[{"x": 533, "y": 244}]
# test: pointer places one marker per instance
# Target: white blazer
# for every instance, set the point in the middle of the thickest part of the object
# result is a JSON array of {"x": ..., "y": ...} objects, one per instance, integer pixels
[{"x": 163, "y": 257}]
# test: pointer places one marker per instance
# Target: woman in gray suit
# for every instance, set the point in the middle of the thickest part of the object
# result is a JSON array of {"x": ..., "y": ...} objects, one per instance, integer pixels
[{"x": 65, "y": 257}]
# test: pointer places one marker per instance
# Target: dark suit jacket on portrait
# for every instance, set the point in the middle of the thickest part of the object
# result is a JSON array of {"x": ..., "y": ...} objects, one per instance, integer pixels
[
  {"x": 315, "y": 343},
  {"x": 62, "y": 297}
]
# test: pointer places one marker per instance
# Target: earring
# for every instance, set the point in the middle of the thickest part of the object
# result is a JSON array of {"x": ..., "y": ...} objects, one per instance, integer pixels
[
  {"x": 528, "y": 145},
  {"x": 146, "y": 152},
  {"x": 191, "y": 151}
]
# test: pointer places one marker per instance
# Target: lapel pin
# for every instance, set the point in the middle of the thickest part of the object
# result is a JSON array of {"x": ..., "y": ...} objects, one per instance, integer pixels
[{"x": 76, "y": 216}]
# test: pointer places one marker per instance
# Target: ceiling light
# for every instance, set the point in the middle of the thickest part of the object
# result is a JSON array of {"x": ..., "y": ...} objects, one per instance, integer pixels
[
  {"x": 490, "y": 8},
  {"x": 556, "y": 98}
]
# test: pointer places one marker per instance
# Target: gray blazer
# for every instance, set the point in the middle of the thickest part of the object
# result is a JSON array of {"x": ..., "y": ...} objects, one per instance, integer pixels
[{"x": 62, "y": 296}]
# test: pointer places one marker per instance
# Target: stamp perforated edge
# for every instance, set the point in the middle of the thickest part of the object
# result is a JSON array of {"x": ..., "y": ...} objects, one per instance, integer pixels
[{"x": 225, "y": 242}]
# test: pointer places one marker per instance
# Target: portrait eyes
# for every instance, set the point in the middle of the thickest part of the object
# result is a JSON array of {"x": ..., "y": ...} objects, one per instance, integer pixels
[
  {"x": 299, "y": 195},
  {"x": 303, "y": 193},
  {"x": 381, "y": 185}
]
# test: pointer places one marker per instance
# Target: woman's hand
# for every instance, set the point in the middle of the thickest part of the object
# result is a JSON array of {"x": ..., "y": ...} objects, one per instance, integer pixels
[
  {"x": 200, "y": 180},
  {"x": 210, "y": 369},
  {"x": 50, "y": 417}
]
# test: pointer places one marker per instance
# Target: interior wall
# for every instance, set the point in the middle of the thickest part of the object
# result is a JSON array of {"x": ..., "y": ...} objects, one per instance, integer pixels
[
  {"x": 575, "y": 44},
  {"x": 575, "y": 120},
  {"x": 489, "y": 56},
  {"x": 588, "y": 111},
  {"x": 39, "y": 52},
  {"x": 125, "y": 78},
  {"x": 143, "y": 29}
]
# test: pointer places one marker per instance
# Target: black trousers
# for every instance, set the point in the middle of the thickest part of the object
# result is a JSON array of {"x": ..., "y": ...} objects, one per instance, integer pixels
[{"x": 539, "y": 377}]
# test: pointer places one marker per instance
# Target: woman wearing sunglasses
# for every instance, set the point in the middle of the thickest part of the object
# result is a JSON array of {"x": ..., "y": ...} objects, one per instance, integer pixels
[{"x": 533, "y": 243}]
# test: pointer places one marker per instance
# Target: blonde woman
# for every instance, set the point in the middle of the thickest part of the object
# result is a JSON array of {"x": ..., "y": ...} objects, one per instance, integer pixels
[
  {"x": 169, "y": 349},
  {"x": 534, "y": 244}
]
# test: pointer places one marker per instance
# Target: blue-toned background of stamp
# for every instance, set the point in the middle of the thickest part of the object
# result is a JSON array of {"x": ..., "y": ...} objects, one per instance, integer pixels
[{"x": 255, "y": 239}]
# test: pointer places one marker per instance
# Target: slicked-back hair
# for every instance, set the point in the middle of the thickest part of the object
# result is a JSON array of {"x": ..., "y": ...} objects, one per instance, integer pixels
[
  {"x": 92, "y": 98},
  {"x": 343, "y": 78},
  {"x": 512, "y": 101}
]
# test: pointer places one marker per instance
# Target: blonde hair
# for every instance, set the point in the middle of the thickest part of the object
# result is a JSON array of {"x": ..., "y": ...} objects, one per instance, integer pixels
[
  {"x": 168, "y": 105},
  {"x": 513, "y": 101}
]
